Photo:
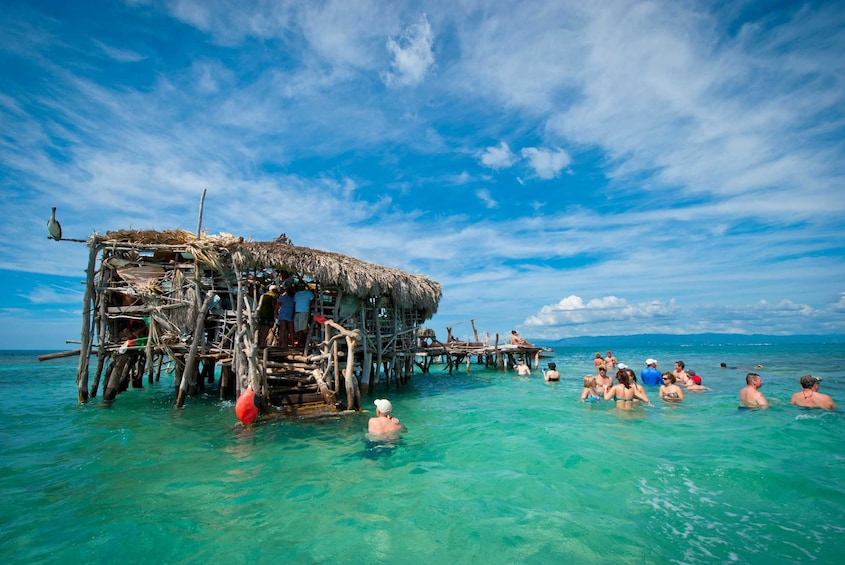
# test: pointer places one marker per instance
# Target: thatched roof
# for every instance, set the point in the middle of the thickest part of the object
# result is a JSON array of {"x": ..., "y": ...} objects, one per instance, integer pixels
[{"x": 354, "y": 276}]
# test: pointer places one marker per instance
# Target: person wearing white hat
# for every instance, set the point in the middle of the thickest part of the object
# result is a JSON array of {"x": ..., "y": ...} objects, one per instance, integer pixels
[
  {"x": 650, "y": 375},
  {"x": 384, "y": 424}
]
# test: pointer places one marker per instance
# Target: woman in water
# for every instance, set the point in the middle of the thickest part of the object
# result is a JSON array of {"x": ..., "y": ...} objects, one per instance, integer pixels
[
  {"x": 633, "y": 376},
  {"x": 598, "y": 361},
  {"x": 669, "y": 391},
  {"x": 589, "y": 394},
  {"x": 624, "y": 393}
]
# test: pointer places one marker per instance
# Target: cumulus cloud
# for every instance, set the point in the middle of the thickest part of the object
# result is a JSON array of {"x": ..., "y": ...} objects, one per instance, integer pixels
[
  {"x": 498, "y": 157},
  {"x": 547, "y": 163},
  {"x": 413, "y": 55},
  {"x": 572, "y": 310}
]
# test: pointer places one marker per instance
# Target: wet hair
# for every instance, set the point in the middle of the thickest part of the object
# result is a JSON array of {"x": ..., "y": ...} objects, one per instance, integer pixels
[
  {"x": 624, "y": 377},
  {"x": 632, "y": 375},
  {"x": 670, "y": 376},
  {"x": 749, "y": 378},
  {"x": 598, "y": 356},
  {"x": 552, "y": 365},
  {"x": 589, "y": 381},
  {"x": 680, "y": 364}
]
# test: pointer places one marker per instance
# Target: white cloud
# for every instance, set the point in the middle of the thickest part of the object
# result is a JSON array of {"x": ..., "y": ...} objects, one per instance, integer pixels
[
  {"x": 484, "y": 196},
  {"x": 413, "y": 55},
  {"x": 547, "y": 163},
  {"x": 498, "y": 157},
  {"x": 120, "y": 55}
]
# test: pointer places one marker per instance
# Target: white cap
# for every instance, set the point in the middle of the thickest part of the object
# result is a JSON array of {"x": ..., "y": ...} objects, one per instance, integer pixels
[
  {"x": 273, "y": 288},
  {"x": 622, "y": 366},
  {"x": 650, "y": 361},
  {"x": 384, "y": 406}
]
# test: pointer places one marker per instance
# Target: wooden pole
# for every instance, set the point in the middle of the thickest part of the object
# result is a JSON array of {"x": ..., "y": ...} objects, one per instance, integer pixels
[
  {"x": 85, "y": 348},
  {"x": 199, "y": 219},
  {"x": 199, "y": 328}
]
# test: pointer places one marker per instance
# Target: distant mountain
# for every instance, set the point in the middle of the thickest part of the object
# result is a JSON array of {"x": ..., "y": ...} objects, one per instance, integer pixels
[{"x": 644, "y": 340}]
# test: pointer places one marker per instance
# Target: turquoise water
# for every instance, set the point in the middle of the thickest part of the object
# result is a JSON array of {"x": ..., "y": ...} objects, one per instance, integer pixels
[{"x": 493, "y": 469}]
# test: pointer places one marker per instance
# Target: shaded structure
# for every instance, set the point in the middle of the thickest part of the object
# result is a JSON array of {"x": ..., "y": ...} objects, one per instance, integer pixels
[{"x": 170, "y": 299}]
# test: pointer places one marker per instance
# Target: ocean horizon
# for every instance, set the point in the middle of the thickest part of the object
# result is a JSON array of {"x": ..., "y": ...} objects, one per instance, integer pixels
[{"x": 493, "y": 467}]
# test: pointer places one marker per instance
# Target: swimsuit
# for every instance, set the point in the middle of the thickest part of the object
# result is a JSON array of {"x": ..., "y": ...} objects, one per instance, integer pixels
[
  {"x": 592, "y": 398},
  {"x": 671, "y": 396}
]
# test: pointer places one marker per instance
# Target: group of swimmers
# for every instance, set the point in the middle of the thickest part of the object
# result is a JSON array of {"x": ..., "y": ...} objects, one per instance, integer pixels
[{"x": 627, "y": 392}]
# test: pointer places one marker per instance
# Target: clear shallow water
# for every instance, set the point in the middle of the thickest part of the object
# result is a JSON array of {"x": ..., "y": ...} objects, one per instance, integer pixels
[{"x": 493, "y": 468}]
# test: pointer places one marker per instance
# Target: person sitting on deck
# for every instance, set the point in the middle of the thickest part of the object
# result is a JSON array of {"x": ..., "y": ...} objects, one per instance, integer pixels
[
  {"x": 384, "y": 424},
  {"x": 516, "y": 339}
]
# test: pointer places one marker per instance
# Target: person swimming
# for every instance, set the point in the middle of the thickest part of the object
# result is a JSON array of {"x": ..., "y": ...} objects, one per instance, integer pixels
[
  {"x": 624, "y": 392},
  {"x": 669, "y": 391},
  {"x": 589, "y": 394}
]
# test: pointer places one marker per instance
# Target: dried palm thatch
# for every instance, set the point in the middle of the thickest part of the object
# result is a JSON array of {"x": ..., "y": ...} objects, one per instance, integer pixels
[{"x": 356, "y": 277}]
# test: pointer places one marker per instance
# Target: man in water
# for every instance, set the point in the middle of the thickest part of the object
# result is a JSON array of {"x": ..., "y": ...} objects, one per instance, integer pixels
[
  {"x": 384, "y": 424},
  {"x": 809, "y": 395},
  {"x": 522, "y": 369},
  {"x": 603, "y": 382},
  {"x": 750, "y": 396},
  {"x": 650, "y": 375},
  {"x": 680, "y": 373}
]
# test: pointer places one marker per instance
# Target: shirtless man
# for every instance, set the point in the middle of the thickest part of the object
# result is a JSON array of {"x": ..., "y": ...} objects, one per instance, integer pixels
[
  {"x": 610, "y": 361},
  {"x": 603, "y": 382},
  {"x": 384, "y": 424},
  {"x": 680, "y": 373},
  {"x": 750, "y": 396},
  {"x": 810, "y": 397},
  {"x": 522, "y": 369}
]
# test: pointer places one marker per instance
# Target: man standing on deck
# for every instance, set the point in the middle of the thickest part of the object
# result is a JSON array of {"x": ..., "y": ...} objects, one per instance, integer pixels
[
  {"x": 809, "y": 395},
  {"x": 650, "y": 375},
  {"x": 750, "y": 396}
]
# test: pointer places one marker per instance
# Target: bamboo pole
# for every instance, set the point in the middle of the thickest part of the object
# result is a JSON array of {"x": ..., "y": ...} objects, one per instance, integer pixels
[
  {"x": 85, "y": 348},
  {"x": 199, "y": 328},
  {"x": 59, "y": 355}
]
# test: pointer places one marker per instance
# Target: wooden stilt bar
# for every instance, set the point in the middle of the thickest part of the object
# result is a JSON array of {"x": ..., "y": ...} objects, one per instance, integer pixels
[
  {"x": 190, "y": 362},
  {"x": 85, "y": 346}
]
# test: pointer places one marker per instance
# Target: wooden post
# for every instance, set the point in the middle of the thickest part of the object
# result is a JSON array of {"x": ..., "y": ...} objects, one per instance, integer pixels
[
  {"x": 474, "y": 331},
  {"x": 366, "y": 360},
  {"x": 199, "y": 219},
  {"x": 85, "y": 346},
  {"x": 199, "y": 330},
  {"x": 500, "y": 361}
]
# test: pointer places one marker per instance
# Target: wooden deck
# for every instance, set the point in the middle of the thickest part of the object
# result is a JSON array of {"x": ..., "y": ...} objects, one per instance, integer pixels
[{"x": 457, "y": 353}]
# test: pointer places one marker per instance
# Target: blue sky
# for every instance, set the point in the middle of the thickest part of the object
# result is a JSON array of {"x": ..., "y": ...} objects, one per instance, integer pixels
[{"x": 563, "y": 168}]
